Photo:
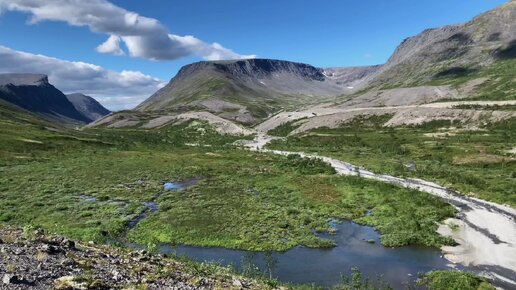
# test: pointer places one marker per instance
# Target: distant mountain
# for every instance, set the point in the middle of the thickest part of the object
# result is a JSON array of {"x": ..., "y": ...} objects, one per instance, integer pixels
[
  {"x": 249, "y": 90},
  {"x": 452, "y": 51},
  {"x": 475, "y": 60},
  {"x": 87, "y": 106},
  {"x": 34, "y": 93}
]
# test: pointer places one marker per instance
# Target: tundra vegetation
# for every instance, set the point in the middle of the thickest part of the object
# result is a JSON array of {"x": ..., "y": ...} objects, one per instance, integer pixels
[
  {"x": 89, "y": 184},
  {"x": 477, "y": 161}
]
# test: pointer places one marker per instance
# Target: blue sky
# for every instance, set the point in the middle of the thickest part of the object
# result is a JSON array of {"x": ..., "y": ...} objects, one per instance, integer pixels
[{"x": 322, "y": 33}]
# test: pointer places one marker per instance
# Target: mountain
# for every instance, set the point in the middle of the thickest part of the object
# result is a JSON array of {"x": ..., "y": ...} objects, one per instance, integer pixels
[
  {"x": 249, "y": 90},
  {"x": 33, "y": 92},
  {"x": 87, "y": 106},
  {"x": 474, "y": 60},
  {"x": 450, "y": 52}
]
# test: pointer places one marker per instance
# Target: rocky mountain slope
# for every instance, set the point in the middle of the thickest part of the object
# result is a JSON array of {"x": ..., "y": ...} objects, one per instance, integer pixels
[
  {"x": 472, "y": 61},
  {"x": 249, "y": 90},
  {"x": 88, "y": 106},
  {"x": 451, "y": 51},
  {"x": 33, "y": 92}
]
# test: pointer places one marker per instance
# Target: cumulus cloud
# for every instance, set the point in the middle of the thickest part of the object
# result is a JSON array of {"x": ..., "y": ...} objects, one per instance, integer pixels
[
  {"x": 115, "y": 90},
  {"x": 144, "y": 37},
  {"x": 111, "y": 46}
]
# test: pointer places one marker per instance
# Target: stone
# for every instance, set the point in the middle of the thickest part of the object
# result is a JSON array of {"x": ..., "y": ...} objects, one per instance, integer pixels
[
  {"x": 10, "y": 279},
  {"x": 49, "y": 249},
  {"x": 68, "y": 282},
  {"x": 68, "y": 244},
  {"x": 237, "y": 283}
]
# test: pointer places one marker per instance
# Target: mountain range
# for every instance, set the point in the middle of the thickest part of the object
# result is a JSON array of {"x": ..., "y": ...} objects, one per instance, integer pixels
[
  {"x": 473, "y": 61},
  {"x": 34, "y": 93}
]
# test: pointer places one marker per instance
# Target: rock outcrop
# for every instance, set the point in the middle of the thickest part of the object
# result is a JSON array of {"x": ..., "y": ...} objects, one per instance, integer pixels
[{"x": 29, "y": 259}]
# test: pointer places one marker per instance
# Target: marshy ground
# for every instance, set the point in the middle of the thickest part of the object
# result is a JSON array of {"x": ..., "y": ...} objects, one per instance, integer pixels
[{"x": 245, "y": 200}]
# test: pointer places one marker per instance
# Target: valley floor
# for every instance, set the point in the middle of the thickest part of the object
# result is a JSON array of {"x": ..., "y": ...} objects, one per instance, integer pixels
[{"x": 91, "y": 185}]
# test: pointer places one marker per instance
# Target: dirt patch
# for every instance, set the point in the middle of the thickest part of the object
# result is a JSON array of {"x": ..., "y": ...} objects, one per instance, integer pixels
[{"x": 482, "y": 158}]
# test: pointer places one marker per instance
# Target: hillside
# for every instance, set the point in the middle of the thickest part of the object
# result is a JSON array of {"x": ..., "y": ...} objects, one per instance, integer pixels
[
  {"x": 249, "y": 90},
  {"x": 482, "y": 47},
  {"x": 474, "y": 61},
  {"x": 33, "y": 92},
  {"x": 87, "y": 106}
]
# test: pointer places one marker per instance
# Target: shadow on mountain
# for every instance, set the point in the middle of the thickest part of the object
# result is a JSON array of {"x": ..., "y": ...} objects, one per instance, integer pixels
[
  {"x": 455, "y": 72},
  {"x": 494, "y": 37},
  {"x": 460, "y": 38},
  {"x": 508, "y": 52}
]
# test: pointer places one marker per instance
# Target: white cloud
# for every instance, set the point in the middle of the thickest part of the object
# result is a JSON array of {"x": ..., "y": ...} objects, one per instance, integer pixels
[
  {"x": 144, "y": 37},
  {"x": 115, "y": 90},
  {"x": 111, "y": 46}
]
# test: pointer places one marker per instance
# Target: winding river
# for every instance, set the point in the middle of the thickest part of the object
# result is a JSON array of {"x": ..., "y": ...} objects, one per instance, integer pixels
[
  {"x": 357, "y": 246},
  {"x": 486, "y": 231}
]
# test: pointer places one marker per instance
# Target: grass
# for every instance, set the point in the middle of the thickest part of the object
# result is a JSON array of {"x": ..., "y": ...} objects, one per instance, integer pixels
[
  {"x": 474, "y": 162},
  {"x": 246, "y": 200},
  {"x": 283, "y": 130},
  {"x": 490, "y": 108},
  {"x": 454, "y": 280},
  {"x": 499, "y": 85}
]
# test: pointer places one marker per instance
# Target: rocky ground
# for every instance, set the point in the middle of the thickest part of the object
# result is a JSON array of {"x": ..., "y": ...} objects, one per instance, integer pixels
[{"x": 29, "y": 259}]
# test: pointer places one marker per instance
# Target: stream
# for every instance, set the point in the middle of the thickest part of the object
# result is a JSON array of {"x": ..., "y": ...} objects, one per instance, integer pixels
[
  {"x": 486, "y": 237},
  {"x": 485, "y": 231},
  {"x": 325, "y": 267}
]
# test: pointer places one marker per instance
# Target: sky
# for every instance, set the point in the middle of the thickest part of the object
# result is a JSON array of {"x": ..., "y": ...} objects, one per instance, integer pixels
[{"x": 122, "y": 51}]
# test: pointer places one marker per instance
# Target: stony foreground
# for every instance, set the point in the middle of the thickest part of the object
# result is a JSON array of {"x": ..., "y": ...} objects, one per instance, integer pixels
[{"x": 31, "y": 260}]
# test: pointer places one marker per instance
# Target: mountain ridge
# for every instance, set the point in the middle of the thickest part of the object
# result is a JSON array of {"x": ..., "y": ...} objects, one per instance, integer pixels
[
  {"x": 34, "y": 93},
  {"x": 248, "y": 90},
  {"x": 88, "y": 106},
  {"x": 473, "y": 60}
]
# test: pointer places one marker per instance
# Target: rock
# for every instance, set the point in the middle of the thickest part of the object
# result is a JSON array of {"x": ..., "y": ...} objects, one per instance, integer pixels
[
  {"x": 116, "y": 275},
  {"x": 38, "y": 232},
  {"x": 49, "y": 249},
  {"x": 67, "y": 262},
  {"x": 237, "y": 283},
  {"x": 57, "y": 240},
  {"x": 12, "y": 279},
  {"x": 69, "y": 244},
  {"x": 7, "y": 279},
  {"x": 68, "y": 283}
]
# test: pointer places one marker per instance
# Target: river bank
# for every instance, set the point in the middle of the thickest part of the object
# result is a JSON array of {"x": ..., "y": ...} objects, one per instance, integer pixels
[
  {"x": 485, "y": 231},
  {"x": 31, "y": 259}
]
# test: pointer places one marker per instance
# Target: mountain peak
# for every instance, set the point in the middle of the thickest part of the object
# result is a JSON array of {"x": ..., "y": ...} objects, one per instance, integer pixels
[
  {"x": 23, "y": 79},
  {"x": 245, "y": 90},
  {"x": 255, "y": 67},
  {"x": 87, "y": 106}
]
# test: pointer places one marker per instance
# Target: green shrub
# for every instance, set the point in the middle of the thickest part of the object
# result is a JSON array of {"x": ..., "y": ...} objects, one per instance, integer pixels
[
  {"x": 454, "y": 280},
  {"x": 305, "y": 165}
]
